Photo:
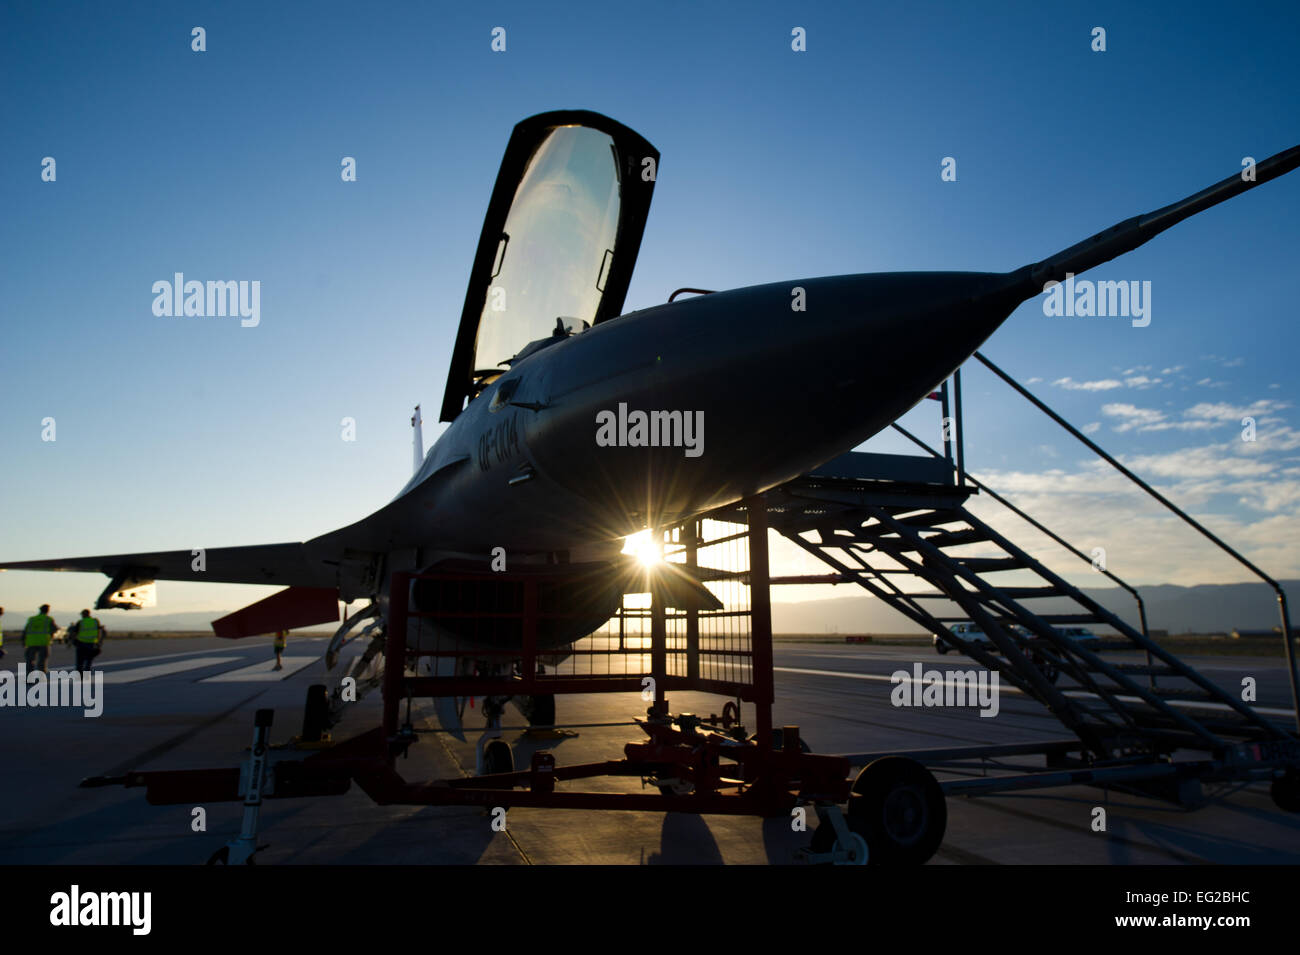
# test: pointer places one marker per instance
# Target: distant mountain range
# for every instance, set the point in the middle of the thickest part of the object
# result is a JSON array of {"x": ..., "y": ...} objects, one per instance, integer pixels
[{"x": 1205, "y": 608}]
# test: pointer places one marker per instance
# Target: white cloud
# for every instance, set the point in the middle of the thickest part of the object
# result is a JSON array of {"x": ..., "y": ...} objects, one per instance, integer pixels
[
  {"x": 1224, "y": 412},
  {"x": 1197, "y": 425},
  {"x": 1215, "y": 460},
  {"x": 1092, "y": 427},
  {"x": 1095, "y": 506},
  {"x": 1133, "y": 416},
  {"x": 1203, "y": 416},
  {"x": 1106, "y": 384},
  {"x": 1274, "y": 439}
]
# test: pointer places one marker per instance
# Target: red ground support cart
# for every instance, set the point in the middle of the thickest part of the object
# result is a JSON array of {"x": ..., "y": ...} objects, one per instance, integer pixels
[{"x": 707, "y": 765}]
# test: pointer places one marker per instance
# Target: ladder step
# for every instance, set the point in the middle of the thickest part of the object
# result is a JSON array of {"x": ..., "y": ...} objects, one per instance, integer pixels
[
  {"x": 985, "y": 565},
  {"x": 930, "y": 519},
  {"x": 872, "y": 533},
  {"x": 1181, "y": 693},
  {"x": 1068, "y": 618},
  {"x": 1022, "y": 593},
  {"x": 954, "y": 538},
  {"x": 1004, "y": 621},
  {"x": 1145, "y": 669}
]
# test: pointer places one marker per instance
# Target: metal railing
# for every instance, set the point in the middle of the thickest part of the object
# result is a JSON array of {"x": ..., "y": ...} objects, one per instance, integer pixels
[
  {"x": 1287, "y": 638},
  {"x": 985, "y": 489}
]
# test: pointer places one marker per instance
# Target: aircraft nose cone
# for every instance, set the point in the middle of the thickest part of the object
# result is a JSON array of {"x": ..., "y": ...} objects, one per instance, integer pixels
[
  {"x": 865, "y": 350},
  {"x": 910, "y": 331}
]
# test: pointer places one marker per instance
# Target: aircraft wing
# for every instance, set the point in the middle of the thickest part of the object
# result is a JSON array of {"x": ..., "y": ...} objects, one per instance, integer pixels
[
  {"x": 314, "y": 564},
  {"x": 285, "y": 565}
]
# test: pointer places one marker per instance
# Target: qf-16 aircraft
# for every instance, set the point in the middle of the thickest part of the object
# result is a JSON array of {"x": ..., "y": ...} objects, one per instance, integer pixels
[{"x": 573, "y": 426}]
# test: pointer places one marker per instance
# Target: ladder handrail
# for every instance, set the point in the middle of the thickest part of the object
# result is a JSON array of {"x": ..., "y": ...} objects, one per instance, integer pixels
[
  {"x": 985, "y": 489},
  {"x": 1287, "y": 640},
  {"x": 963, "y": 476}
]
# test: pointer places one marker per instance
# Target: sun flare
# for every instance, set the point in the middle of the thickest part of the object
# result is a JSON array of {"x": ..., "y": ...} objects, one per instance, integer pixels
[{"x": 645, "y": 547}]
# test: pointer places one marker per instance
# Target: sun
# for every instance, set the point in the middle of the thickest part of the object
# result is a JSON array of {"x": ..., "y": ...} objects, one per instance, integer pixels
[{"x": 645, "y": 547}]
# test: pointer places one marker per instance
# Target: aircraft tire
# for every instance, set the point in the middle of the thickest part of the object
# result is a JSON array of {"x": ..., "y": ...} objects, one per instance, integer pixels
[
  {"x": 1286, "y": 791},
  {"x": 540, "y": 710},
  {"x": 316, "y": 712},
  {"x": 497, "y": 758},
  {"x": 899, "y": 808}
]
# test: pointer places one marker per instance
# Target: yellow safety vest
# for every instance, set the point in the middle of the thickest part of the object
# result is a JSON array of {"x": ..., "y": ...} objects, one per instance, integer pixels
[
  {"x": 88, "y": 630},
  {"x": 38, "y": 631},
  {"x": 280, "y": 640}
]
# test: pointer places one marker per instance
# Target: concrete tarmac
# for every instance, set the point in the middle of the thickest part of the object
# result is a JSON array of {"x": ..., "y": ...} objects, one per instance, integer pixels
[{"x": 184, "y": 704}]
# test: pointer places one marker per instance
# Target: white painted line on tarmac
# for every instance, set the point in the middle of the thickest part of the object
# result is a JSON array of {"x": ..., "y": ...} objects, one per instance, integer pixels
[
  {"x": 1003, "y": 688},
  {"x": 127, "y": 661},
  {"x": 263, "y": 672},
  {"x": 879, "y": 677},
  {"x": 164, "y": 669}
]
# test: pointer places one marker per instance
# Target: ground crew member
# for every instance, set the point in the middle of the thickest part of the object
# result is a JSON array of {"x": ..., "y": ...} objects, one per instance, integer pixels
[
  {"x": 36, "y": 640},
  {"x": 281, "y": 638},
  {"x": 2, "y": 633},
  {"x": 87, "y": 633}
]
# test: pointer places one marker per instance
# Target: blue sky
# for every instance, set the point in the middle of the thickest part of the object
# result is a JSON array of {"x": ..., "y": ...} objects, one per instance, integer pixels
[{"x": 180, "y": 433}]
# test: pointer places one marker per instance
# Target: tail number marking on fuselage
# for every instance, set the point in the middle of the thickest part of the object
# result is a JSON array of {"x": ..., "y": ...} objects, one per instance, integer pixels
[{"x": 499, "y": 444}]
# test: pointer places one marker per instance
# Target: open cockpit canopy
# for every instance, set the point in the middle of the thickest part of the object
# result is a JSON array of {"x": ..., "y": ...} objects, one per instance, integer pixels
[{"x": 559, "y": 242}]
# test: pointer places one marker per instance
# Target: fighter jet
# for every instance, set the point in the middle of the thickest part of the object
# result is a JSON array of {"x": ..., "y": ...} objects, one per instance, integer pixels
[{"x": 573, "y": 426}]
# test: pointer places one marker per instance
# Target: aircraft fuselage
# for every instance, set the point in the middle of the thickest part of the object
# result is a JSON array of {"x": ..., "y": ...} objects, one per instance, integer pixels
[{"x": 737, "y": 392}]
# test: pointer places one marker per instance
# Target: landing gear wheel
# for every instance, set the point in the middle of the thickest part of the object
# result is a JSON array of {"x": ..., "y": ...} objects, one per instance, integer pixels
[
  {"x": 898, "y": 807},
  {"x": 730, "y": 714},
  {"x": 824, "y": 840},
  {"x": 539, "y": 710},
  {"x": 316, "y": 713},
  {"x": 497, "y": 758},
  {"x": 1286, "y": 791}
]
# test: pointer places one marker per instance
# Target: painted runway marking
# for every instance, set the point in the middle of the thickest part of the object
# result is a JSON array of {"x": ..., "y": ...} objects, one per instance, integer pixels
[
  {"x": 1188, "y": 704},
  {"x": 234, "y": 646},
  {"x": 164, "y": 669},
  {"x": 127, "y": 661},
  {"x": 263, "y": 672}
]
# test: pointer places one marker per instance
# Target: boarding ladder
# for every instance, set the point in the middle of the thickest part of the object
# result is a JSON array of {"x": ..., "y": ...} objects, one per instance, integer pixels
[{"x": 874, "y": 518}]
